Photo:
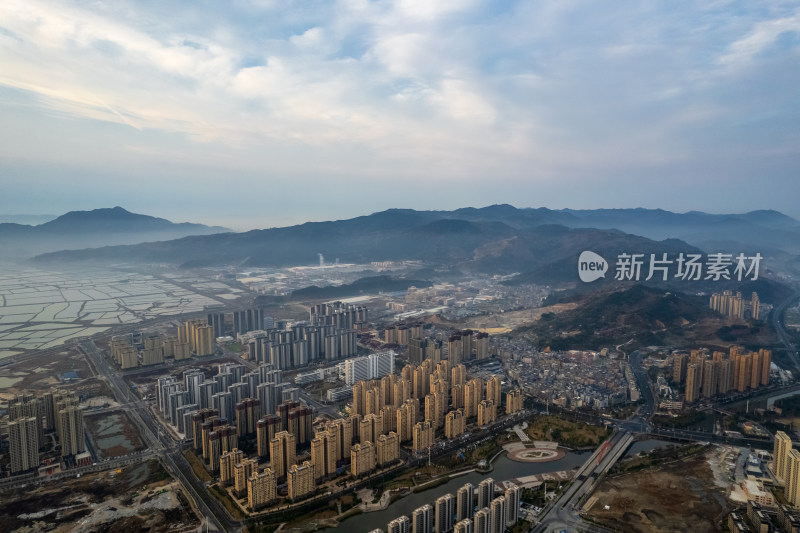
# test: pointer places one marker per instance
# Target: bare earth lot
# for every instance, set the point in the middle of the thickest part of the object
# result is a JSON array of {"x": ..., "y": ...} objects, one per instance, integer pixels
[
  {"x": 137, "y": 498},
  {"x": 112, "y": 433},
  {"x": 677, "y": 497}
]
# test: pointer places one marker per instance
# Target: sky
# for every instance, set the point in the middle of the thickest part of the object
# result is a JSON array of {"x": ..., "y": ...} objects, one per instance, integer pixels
[{"x": 265, "y": 113}]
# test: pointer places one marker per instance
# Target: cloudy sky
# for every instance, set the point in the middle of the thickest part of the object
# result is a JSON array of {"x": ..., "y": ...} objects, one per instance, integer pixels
[{"x": 263, "y": 113}]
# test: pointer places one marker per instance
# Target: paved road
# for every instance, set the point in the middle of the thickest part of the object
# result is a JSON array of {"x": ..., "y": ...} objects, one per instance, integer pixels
[
  {"x": 563, "y": 513},
  {"x": 777, "y": 324},
  {"x": 151, "y": 432}
]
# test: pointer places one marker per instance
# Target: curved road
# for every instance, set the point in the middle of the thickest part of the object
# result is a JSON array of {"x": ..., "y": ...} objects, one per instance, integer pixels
[{"x": 777, "y": 324}]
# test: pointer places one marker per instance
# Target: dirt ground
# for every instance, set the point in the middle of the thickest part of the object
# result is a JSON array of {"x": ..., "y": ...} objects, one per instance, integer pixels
[
  {"x": 108, "y": 501},
  {"x": 40, "y": 374},
  {"x": 516, "y": 319},
  {"x": 677, "y": 497}
]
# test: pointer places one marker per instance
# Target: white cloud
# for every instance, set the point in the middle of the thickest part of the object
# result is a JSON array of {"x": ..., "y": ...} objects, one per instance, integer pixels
[
  {"x": 743, "y": 51},
  {"x": 460, "y": 90}
]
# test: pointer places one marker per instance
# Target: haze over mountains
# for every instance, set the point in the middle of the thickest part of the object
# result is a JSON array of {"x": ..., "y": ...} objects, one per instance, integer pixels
[
  {"x": 540, "y": 243},
  {"x": 99, "y": 227}
]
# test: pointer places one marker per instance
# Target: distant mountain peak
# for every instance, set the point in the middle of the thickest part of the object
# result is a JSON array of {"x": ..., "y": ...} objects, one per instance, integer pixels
[
  {"x": 101, "y": 213},
  {"x": 96, "y": 227}
]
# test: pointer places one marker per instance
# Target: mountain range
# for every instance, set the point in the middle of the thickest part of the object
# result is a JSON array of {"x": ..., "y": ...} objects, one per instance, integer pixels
[
  {"x": 99, "y": 227},
  {"x": 541, "y": 244}
]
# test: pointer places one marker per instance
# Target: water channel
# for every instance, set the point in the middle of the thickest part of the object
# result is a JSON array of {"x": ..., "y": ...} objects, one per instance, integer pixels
[{"x": 504, "y": 469}]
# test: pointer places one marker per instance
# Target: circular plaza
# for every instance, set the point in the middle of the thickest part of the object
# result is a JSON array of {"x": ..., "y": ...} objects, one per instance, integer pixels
[{"x": 533, "y": 454}]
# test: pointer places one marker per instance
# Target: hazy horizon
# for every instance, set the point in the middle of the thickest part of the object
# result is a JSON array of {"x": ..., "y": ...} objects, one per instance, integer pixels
[
  {"x": 260, "y": 114},
  {"x": 240, "y": 225}
]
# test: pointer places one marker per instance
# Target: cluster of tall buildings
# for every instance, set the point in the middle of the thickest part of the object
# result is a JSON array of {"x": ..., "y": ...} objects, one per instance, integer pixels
[
  {"x": 208, "y": 423},
  {"x": 237, "y": 395},
  {"x": 374, "y": 365},
  {"x": 30, "y": 417},
  {"x": 154, "y": 349},
  {"x": 238, "y": 322},
  {"x": 457, "y": 513},
  {"x": 216, "y": 413},
  {"x": 302, "y": 344},
  {"x": 461, "y": 346},
  {"x": 427, "y": 397},
  {"x": 403, "y": 333},
  {"x": 734, "y": 305},
  {"x": 339, "y": 315},
  {"x": 708, "y": 375},
  {"x": 466, "y": 345},
  {"x": 330, "y": 335},
  {"x": 363, "y": 440},
  {"x": 194, "y": 337}
]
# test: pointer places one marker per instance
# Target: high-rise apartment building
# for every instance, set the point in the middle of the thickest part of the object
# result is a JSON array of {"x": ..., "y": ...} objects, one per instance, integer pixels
[
  {"x": 792, "y": 487},
  {"x": 431, "y": 414},
  {"x": 513, "y": 496},
  {"x": 780, "y": 453},
  {"x": 362, "y": 459},
  {"x": 388, "y": 448},
  {"x": 71, "y": 435},
  {"x": 241, "y": 473},
  {"x": 481, "y": 346},
  {"x": 342, "y": 430},
  {"x": 282, "y": 453},
  {"x": 693, "y": 380},
  {"x": 472, "y": 397},
  {"x": 23, "y": 437},
  {"x": 497, "y": 515},
  {"x": 487, "y": 413},
  {"x": 766, "y": 361},
  {"x": 422, "y": 436},
  {"x": 422, "y": 519},
  {"x": 323, "y": 455},
  {"x": 227, "y": 464},
  {"x": 481, "y": 520},
  {"x": 710, "y": 379},
  {"x": 679, "y": 367},
  {"x": 370, "y": 428},
  {"x": 262, "y": 489},
  {"x": 464, "y": 501},
  {"x": 464, "y": 526},
  {"x": 485, "y": 492},
  {"x": 400, "y": 524},
  {"x": 406, "y": 419},
  {"x": 443, "y": 513},
  {"x": 248, "y": 412},
  {"x": 300, "y": 481},
  {"x": 755, "y": 307},
  {"x": 454, "y": 424},
  {"x": 494, "y": 389},
  {"x": 266, "y": 429},
  {"x": 514, "y": 401}
]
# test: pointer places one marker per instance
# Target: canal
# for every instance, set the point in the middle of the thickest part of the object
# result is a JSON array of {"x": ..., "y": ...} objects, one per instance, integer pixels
[{"x": 504, "y": 469}]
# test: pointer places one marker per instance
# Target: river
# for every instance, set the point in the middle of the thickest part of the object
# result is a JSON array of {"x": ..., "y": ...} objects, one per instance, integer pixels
[
  {"x": 646, "y": 445},
  {"x": 504, "y": 469}
]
